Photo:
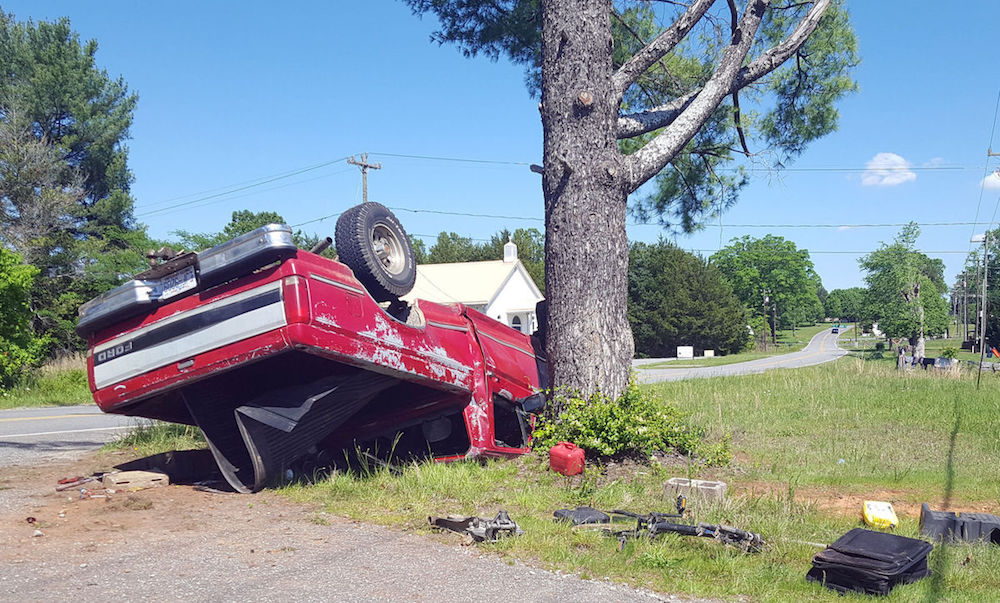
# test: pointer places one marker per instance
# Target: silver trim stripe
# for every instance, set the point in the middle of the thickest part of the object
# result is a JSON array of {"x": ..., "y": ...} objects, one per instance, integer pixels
[
  {"x": 211, "y": 337},
  {"x": 336, "y": 283},
  {"x": 509, "y": 345},
  {"x": 442, "y": 325}
]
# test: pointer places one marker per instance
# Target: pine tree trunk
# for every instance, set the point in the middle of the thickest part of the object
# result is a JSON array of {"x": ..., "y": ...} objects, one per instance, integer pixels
[{"x": 589, "y": 342}]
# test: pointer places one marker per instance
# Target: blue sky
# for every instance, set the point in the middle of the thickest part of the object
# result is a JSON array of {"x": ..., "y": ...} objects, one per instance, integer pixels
[{"x": 233, "y": 94}]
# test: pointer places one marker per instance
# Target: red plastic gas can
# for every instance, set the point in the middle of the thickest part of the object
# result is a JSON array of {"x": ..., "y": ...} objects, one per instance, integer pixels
[{"x": 566, "y": 458}]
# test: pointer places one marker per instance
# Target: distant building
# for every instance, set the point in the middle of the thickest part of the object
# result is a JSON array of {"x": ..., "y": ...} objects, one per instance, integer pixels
[{"x": 501, "y": 289}]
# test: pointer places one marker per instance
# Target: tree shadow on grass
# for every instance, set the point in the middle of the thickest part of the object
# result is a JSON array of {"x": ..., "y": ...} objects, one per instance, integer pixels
[{"x": 940, "y": 564}]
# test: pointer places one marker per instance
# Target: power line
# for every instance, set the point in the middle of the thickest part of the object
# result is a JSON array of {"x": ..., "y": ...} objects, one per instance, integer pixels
[
  {"x": 986, "y": 169},
  {"x": 243, "y": 188},
  {"x": 236, "y": 187},
  {"x": 836, "y": 251},
  {"x": 928, "y": 168},
  {"x": 707, "y": 225},
  {"x": 465, "y": 214},
  {"x": 320, "y": 219},
  {"x": 427, "y": 236},
  {"x": 453, "y": 159},
  {"x": 288, "y": 173},
  {"x": 845, "y": 226},
  {"x": 167, "y": 210}
]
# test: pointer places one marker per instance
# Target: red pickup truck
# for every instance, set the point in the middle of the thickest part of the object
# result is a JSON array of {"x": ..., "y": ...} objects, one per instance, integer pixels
[{"x": 277, "y": 353}]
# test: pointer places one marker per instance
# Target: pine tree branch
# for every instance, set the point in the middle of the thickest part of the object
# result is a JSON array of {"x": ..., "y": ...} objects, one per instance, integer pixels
[
  {"x": 650, "y": 159},
  {"x": 630, "y": 72},
  {"x": 637, "y": 124},
  {"x": 736, "y": 93}
]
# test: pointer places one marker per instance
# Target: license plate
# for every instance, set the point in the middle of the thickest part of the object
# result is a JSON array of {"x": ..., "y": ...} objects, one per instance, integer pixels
[{"x": 178, "y": 282}]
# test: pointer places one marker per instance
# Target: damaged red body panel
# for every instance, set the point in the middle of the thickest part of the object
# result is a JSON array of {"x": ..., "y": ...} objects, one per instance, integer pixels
[{"x": 297, "y": 357}]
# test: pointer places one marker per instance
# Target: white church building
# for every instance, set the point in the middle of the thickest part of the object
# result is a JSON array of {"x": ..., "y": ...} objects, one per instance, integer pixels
[{"x": 501, "y": 289}]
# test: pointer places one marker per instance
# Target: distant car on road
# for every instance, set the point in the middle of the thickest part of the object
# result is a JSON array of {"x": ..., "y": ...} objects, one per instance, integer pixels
[{"x": 835, "y": 329}]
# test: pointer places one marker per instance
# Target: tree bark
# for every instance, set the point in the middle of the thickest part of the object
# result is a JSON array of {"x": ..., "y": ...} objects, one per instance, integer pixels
[{"x": 589, "y": 341}]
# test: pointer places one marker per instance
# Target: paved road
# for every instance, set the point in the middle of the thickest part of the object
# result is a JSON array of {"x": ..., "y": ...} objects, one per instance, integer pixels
[
  {"x": 821, "y": 348},
  {"x": 30, "y": 434}
]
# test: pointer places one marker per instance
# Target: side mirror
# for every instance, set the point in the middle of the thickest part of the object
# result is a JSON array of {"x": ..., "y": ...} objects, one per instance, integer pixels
[{"x": 533, "y": 403}]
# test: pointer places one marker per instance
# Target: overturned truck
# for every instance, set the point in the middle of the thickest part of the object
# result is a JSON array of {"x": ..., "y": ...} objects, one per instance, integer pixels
[{"x": 279, "y": 354}]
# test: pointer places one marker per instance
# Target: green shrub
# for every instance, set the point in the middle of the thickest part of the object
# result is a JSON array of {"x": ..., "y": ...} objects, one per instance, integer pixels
[
  {"x": 16, "y": 360},
  {"x": 950, "y": 352},
  {"x": 635, "y": 423},
  {"x": 20, "y": 349}
]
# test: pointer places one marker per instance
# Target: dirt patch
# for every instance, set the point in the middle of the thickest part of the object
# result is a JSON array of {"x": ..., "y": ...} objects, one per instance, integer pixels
[
  {"x": 65, "y": 520},
  {"x": 845, "y": 503}
]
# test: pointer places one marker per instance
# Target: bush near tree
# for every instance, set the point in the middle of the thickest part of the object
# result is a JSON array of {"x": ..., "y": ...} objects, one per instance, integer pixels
[{"x": 634, "y": 425}]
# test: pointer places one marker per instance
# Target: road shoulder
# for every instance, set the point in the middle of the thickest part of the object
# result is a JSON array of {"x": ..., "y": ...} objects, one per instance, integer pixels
[{"x": 175, "y": 542}]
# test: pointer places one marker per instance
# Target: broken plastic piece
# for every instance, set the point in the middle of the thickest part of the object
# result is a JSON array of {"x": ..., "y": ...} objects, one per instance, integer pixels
[
  {"x": 953, "y": 527},
  {"x": 73, "y": 482},
  {"x": 582, "y": 515},
  {"x": 481, "y": 530}
]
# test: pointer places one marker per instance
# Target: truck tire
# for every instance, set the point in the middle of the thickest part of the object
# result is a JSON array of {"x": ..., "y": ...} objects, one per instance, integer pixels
[{"x": 372, "y": 242}]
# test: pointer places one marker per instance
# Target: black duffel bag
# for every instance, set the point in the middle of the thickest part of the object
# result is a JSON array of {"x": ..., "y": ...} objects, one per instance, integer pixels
[{"x": 870, "y": 562}]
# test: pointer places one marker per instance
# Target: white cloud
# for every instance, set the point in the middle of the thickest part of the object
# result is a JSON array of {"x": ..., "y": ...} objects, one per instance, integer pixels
[
  {"x": 887, "y": 169},
  {"x": 992, "y": 182}
]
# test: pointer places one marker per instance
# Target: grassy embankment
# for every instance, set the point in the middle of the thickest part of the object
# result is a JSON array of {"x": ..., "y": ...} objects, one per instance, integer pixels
[
  {"x": 810, "y": 445},
  {"x": 787, "y": 342},
  {"x": 60, "y": 383}
]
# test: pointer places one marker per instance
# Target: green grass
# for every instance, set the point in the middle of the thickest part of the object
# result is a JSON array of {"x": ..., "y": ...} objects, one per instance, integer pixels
[
  {"x": 711, "y": 361},
  {"x": 67, "y": 387},
  {"x": 892, "y": 430},
  {"x": 153, "y": 437},
  {"x": 790, "y": 429},
  {"x": 787, "y": 343}
]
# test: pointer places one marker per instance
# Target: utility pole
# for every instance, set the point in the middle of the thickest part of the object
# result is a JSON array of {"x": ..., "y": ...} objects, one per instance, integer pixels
[
  {"x": 982, "y": 337},
  {"x": 965, "y": 319},
  {"x": 364, "y": 165},
  {"x": 975, "y": 333}
]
